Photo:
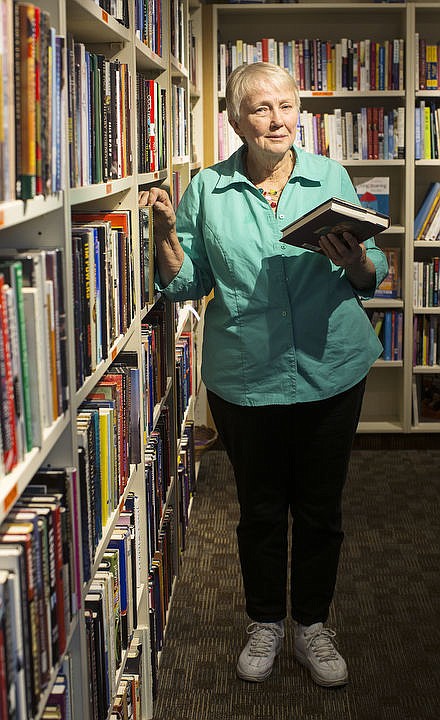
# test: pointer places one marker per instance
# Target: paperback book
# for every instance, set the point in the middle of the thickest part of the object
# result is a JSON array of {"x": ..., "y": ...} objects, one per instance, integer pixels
[{"x": 334, "y": 216}]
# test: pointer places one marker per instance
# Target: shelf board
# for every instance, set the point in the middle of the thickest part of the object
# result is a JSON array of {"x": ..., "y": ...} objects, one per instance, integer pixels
[
  {"x": 426, "y": 311},
  {"x": 180, "y": 160},
  {"x": 384, "y": 302},
  {"x": 146, "y": 178},
  {"x": 90, "y": 23},
  {"x": 350, "y": 94},
  {"x": 177, "y": 69},
  {"x": 427, "y": 163},
  {"x": 87, "y": 193},
  {"x": 146, "y": 59},
  {"x": 13, "y": 484},
  {"x": 14, "y": 212},
  {"x": 426, "y": 369},
  {"x": 434, "y": 244},
  {"x": 379, "y": 426}
]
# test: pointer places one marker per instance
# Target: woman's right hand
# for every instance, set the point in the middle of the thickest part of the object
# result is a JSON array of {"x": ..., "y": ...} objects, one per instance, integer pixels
[{"x": 164, "y": 217}]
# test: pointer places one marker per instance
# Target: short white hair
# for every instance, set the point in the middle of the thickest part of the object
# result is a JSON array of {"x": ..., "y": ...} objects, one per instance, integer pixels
[{"x": 246, "y": 78}]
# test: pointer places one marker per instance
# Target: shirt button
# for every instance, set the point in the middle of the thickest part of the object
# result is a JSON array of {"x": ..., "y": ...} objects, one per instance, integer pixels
[
  {"x": 281, "y": 217},
  {"x": 283, "y": 247},
  {"x": 284, "y": 313}
]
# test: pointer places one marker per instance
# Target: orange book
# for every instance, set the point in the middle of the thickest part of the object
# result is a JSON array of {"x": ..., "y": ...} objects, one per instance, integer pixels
[{"x": 25, "y": 100}]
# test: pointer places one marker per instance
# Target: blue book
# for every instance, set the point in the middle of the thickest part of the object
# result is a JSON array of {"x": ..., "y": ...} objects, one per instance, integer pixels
[
  {"x": 425, "y": 207},
  {"x": 387, "y": 340}
]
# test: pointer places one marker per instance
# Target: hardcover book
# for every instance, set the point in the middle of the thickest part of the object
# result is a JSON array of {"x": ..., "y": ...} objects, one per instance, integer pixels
[{"x": 334, "y": 216}]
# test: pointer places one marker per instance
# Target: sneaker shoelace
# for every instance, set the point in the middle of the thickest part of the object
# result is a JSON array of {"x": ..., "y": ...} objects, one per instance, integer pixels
[
  {"x": 262, "y": 639},
  {"x": 321, "y": 644}
]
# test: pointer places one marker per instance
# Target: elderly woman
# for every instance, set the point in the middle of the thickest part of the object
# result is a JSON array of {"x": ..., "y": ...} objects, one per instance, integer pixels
[{"x": 287, "y": 347}]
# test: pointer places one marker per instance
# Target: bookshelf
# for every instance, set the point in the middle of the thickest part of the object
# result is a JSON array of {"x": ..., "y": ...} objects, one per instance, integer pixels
[
  {"x": 389, "y": 402},
  {"x": 148, "y": 351}
]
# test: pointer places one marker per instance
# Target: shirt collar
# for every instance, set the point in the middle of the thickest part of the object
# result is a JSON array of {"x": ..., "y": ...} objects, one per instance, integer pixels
[{"x": 233, "y": 171}]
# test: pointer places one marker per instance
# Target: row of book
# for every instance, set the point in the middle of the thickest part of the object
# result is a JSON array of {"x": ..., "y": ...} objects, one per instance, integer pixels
[
  {"x": 427, "y": 131},
  {"x": 127, "y": 704},
  {"x": 427, "y": 220},
  {"x": 118, "y": 9},
  {"x": 104, "y": 285},
  {"x": 99, "y": 116},
  {"x": 178, "y": 39},
  {"x": 427, "y": 63},
  {"x": 388, "y": 326},
  {"x": 110, "y": 609},
  {"x": 39, "y": 588},
  {"x": 157, "y": 478},
  {"x": 426, "y": 280},
  {"x": 32, "y": 101},
  {"x": 155, "y": 360},
  {"x": 148, "y": 23},
  {"x": 179, "y": 101},
  {"x": 32, "y": 340},
  {"x": 161, "y": 577},
  {"x": 426, "y": 340},
  {"x": 186, "y": 475},
  {"x": 108, "y": 435},
  {"x": 372, "y": 133},
  {"x": 59, "y": 705},
  {"x": 184, "y": 376},
  {"x": 151, "y": 109},
  {"x": 322, "y": 65}
]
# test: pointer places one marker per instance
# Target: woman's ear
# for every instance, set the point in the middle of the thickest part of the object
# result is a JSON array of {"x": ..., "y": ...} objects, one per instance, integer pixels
[{"x": 236, "y": 127}]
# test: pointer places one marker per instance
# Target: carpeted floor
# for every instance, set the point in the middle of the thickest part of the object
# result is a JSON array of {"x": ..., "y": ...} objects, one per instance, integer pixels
[{"x": 386, "y": 609}]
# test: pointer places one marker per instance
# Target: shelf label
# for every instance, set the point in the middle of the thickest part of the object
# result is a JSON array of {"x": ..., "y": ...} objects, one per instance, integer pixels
[
  {"x": 104, "y": 16},
  {"x": 10, "y": 498},
  {"x": 108, "y": 188},
  {"x": 2, "y": 218},
  {"x": 114, "y": 353},
  {"x": 322, "y": 92}
]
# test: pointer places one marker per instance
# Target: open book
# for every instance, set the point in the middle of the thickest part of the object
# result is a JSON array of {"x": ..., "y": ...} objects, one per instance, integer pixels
[{"x": 336, "y": 216}]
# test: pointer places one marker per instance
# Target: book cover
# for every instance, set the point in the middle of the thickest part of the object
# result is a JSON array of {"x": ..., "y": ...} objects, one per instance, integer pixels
[
  {"x": 374, "y": 193},
  {"x": 390, "y": 287},
  {"x": 335, "y": 216},
  {"x": 12, "y": 559}
]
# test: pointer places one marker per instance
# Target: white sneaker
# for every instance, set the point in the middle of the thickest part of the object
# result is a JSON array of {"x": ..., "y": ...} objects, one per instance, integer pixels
[
  {"x": 257, "y": 658},
  {"x": 314, "y": 648}
]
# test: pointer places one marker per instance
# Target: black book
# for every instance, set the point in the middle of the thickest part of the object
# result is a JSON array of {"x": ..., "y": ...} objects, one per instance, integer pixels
[{"x": 334, "y": 216}]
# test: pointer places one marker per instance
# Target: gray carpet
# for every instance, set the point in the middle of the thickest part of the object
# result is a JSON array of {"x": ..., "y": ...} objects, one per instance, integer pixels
[{"x": 386, "y": 609}]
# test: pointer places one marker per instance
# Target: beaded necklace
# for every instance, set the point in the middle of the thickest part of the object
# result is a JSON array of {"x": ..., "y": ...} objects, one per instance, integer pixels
[{"x": 272, "y": 195}]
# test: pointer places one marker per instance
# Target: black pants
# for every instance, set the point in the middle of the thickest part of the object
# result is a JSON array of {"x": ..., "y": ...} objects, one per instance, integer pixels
[{"x": 289, "y": 458}]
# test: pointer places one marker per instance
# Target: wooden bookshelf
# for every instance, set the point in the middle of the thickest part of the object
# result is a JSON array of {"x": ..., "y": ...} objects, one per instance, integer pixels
[
  {"x": 44, "y": 223},
  {"x": 388, "y": 406}
]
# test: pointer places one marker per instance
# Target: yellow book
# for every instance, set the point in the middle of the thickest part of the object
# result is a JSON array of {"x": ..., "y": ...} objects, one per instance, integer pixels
[
  {"x": 104, "y": 459},
  {"x": 427, "y": 133}
]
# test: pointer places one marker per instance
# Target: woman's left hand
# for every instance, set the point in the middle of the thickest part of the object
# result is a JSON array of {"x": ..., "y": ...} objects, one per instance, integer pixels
[{"x": 343, "y": 251}]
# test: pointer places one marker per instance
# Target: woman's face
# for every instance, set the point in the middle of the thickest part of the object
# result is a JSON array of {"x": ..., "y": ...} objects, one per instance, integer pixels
[{"x": 268, "y": 118}]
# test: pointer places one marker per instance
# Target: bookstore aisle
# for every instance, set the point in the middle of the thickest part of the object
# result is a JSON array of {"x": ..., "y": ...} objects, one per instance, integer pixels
[{"x": 386, "y": 606}]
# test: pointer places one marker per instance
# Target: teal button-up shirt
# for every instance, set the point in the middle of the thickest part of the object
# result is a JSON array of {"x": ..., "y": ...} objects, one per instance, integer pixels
[{"x": 285, "y": 324}]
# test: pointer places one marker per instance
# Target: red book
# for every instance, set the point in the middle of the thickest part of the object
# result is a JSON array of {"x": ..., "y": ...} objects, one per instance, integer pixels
[
  {"x": 7, "y": 417},
  {"x": 265, "y": 49},
  {"x": 151, "y": 110}
]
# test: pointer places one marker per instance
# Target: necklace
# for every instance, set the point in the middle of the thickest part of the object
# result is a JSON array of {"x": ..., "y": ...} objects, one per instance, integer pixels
[{"x": 272, "y": 195}]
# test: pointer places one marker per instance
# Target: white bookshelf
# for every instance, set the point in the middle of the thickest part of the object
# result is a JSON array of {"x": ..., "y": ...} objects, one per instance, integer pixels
[
  {"x": 388, "y": 403},
  {"x": 46, "y": 223}
]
